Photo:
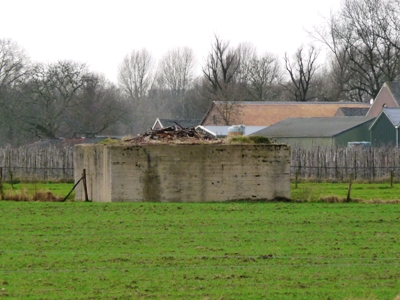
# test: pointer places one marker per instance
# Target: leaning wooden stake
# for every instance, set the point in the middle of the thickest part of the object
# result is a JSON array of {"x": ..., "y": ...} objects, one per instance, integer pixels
[
  {"x": 66, "y": 197},
  {"x": 349, "y": 189},
  {"x": 84, "y": 185},
  {"x": 83, "y": 178}
]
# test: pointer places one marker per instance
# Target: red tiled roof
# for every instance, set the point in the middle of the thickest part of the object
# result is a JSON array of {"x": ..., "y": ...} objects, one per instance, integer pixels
[{"x": 268, "y": 113}]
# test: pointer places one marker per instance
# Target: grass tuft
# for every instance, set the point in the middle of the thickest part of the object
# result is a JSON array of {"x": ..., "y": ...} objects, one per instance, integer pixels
[
  {"x": 332, "y": 199},
  {"x": 23, "y": 195},
  {"x": 253, "y": 139},
  {"x": 46, "y": 196}
]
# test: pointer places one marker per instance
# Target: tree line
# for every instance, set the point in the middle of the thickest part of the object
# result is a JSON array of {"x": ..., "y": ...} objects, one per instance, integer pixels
[{"x": 65, "y": 99}]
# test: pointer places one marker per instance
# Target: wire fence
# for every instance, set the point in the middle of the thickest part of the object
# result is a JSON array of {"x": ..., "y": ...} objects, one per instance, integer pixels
[
  {"x": 338, "y": 163},
  {"x": 318, "y": 163},
  {"x": 343, "y": 173},
  {"x": 32, "y": 163},
  {"x": 15, "y": 174},
  {"x": 311, "y": 173}
]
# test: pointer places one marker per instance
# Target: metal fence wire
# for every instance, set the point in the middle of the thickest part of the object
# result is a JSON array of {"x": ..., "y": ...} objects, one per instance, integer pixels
[
  {"x": 32, "y": 163},
  {"x": 316, "y": 163},
  {"x": 323, "y": 163},
  {"x": 37, "y": 174}
]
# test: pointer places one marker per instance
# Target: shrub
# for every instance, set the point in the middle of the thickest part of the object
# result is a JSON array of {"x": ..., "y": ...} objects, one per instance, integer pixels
[
  {"x": 45, "y": 197},
  {"x": 259, "y": 139},
  {"x": 252, "y": 139}
]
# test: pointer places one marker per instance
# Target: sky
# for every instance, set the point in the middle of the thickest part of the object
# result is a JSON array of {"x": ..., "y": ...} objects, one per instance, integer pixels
[{"x": 101, "y": 33}]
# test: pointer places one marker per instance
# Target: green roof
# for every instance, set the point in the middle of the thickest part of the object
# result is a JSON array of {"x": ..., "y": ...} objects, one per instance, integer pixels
[{"x": 312, "y": 127}]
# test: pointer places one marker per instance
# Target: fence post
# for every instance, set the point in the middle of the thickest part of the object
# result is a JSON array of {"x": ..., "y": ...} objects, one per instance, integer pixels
[
  {"x": 10, "y": 173},
  {"x": 296, "y": 178},
  {"x": 84, "y": 185},
  {"x": 391, "y": 178},
  {"x": 348, "y": 199},
  {"x": 1, "y": 184}
]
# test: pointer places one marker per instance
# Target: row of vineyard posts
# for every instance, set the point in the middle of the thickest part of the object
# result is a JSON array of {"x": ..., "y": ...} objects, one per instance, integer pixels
[
  {"x": 50, "y": 163},
  {"x": 338, "y": 163}
]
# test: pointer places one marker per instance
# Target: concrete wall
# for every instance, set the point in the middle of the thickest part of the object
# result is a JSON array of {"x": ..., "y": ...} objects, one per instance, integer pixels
[{"x": 183, "y": 173}]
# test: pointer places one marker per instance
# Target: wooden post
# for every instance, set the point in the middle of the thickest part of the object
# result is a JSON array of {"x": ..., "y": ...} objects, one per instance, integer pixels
[
  {"x": 391, "y": 178},
  {"x": 66, "y": 197},
  {"x": 1, "y": 184},
  {"x": 296, "y": 178},
  {"x": 84, "y": 185},
  {"x": 349, "y": 189},
  {"x": 11, "y": 178}
]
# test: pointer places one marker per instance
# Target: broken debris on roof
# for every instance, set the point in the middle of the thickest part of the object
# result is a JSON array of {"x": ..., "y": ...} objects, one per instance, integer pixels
[{"x": 175, "y": 135}]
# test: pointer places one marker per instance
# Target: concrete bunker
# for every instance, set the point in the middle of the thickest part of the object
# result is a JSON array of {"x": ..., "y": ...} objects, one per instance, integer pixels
[{"x": 183, "y": 172}]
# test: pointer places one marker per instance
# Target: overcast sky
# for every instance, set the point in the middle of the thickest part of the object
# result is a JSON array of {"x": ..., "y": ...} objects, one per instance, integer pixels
[{"x": 100, "y": 33}]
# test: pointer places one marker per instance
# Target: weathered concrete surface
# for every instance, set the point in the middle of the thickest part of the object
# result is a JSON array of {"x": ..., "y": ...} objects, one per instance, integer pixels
[{"x": 183, "y": 173}]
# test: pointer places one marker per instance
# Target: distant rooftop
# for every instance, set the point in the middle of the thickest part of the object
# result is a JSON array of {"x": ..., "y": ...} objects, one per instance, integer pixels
[
  {"x": 354, "y": 111},
  {"x": 313, "y": 127},
  {"x": 268, "y": 113}
]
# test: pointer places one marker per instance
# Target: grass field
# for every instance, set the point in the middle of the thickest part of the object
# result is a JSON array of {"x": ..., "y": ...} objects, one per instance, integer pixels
[
  {"x": 305, "y": 191},
  {"x": 199, "y": 251},
  {"x": 314, "y": 191}
]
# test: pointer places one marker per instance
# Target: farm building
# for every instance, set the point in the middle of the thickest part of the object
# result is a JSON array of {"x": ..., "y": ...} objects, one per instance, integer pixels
[
  {"x": 388, "y": 96},
  {"x": 385, "y": 129},
  {"x": 307, "y": 132},
  {"x": 268, "y": 113}
]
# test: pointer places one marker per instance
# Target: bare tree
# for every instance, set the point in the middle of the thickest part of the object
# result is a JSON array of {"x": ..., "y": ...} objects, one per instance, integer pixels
[
  {"x": 135, "y": 74},
  {"x": 221, "y": 73},
  {"x": 194, "y": 105},
  {"x": 13, "y": 62},
  {"x": 389, "y": 24},
  {"x": 364, "y": 39},
  {"x": 13, "y": 71},
  {"x": 97, "y": 107},
  {"x": 247, "y": 53},
  {"x": 301, "y": 71},
  {"x": 50, "y": 92},
  {"x": 263, "y": 75},
  {"x": 176, "y": 71},
  {"x": 222, "y": 66}
]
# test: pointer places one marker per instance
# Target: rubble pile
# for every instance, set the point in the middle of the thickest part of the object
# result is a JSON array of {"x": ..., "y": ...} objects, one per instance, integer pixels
[{"x": 175, "y": 135}]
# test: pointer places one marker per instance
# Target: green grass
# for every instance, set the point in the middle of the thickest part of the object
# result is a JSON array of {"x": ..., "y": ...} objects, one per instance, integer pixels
[
  {"x": 312, "y": 191},
  {"x": 305, "y": 191},
  {"x": 58, "y": 189},
  {"x": 199, "y": 251}
]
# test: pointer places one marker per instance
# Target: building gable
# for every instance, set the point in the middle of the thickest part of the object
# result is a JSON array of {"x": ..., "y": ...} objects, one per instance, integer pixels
[
  {"x": 388, "y": 96},
  {"x": 383, "y": 131}
]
